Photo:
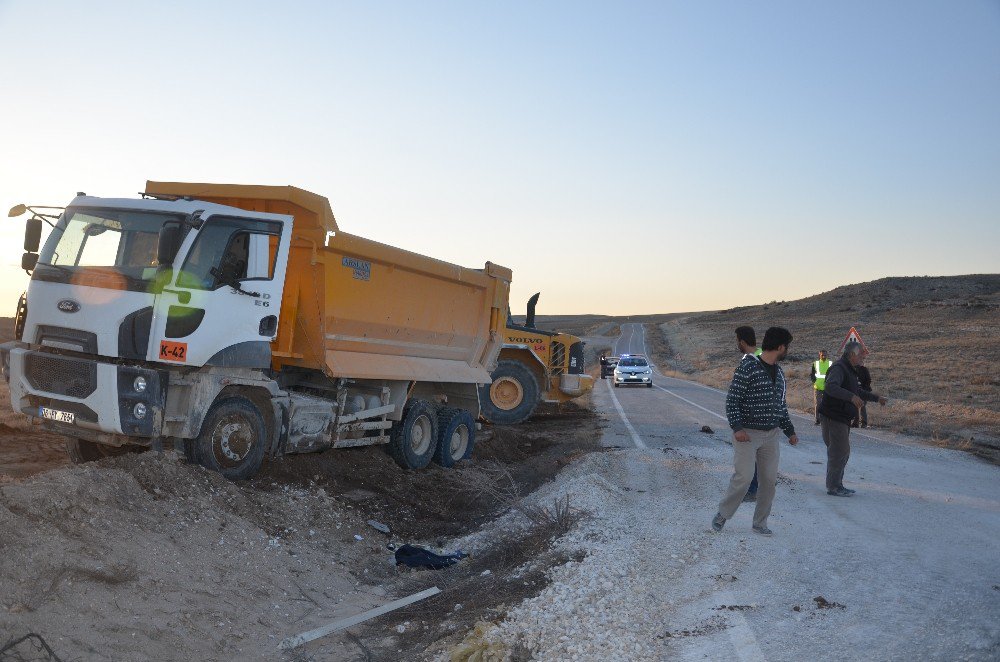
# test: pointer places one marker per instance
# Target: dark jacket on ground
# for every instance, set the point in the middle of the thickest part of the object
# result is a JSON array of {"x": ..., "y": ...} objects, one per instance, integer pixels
[
  {"x": 754, "y": 401},
  {"x": 842, "y": 383}
]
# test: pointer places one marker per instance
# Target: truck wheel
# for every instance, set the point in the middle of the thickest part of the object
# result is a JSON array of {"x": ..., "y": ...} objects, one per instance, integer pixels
[
  {"x": 414, "y": 439},
  {"x": 232, "y": 440},
  {"x": 81, "y": 450},
  {"x": 513, "y": 395},
  {"x": 456, "y": 438}
]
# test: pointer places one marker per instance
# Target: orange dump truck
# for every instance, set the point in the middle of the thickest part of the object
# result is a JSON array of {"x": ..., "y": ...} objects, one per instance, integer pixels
[{"x": 239, "y": 322}]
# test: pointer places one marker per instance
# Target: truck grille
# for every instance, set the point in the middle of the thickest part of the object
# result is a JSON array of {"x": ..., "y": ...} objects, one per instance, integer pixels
[
  {"x": 54, "y": 374},
  {"x": 558, "y": 361}
]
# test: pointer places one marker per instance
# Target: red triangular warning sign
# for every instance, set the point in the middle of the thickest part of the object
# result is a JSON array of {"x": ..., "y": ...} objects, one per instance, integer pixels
[{"x": 853, "y": 335}]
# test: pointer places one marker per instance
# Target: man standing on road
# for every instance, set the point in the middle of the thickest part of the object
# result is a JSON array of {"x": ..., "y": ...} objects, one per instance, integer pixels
[
  {"x": 755, "y": 407},
  {"x": 842, "y": 398},
  {"x": 746, "y": 343},
  {"x": 865, "y": 379},
  {"x": 818, "y": 378}
]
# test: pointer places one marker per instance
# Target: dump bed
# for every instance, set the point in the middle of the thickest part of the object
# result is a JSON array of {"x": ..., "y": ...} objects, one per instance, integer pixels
[{"x": 359, "y": 309}]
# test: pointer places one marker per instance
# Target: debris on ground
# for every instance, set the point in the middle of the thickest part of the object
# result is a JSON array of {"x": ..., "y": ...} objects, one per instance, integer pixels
[
  {"x": 413, "y": 556},
  {"x": 32, "y": 644},
  {"x": 707, "y": 430},
  {"x": 344, "y": 623},
  {"x": 379, "y": 526},
  {"x": 823, "y": 603}
]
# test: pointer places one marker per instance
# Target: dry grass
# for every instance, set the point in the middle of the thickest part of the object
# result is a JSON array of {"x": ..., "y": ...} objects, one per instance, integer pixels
[{"x": 560, "y": 518}]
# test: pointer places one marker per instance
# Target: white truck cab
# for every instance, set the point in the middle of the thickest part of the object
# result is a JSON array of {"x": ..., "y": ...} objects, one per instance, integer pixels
[{"x": 123, "y": 291}]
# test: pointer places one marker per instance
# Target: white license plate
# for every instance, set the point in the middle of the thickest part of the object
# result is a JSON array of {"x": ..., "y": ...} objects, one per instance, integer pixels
[{"x": 56, "y": 415}]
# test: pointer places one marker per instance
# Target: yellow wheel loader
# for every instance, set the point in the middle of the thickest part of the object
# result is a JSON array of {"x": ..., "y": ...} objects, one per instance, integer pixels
[{"x": 534, "y": 366}]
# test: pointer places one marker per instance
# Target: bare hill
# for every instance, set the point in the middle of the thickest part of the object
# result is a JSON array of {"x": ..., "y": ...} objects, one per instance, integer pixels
[{"x": 933, "y": 347}]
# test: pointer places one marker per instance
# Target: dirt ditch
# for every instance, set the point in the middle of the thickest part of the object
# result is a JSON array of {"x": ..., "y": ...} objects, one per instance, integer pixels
[
  {"x": 432, "y": 506},
  {"x": 146, "y": 557}
]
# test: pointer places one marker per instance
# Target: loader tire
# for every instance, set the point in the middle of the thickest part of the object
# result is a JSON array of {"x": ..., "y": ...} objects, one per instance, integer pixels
[
  {"x": 232, "y": 440},
  {"x": 414, "y": 439},
  {"x": 81, "y": 450},
  {"x": 513, "y": 395},
  {"x": 456, "y": 436}
]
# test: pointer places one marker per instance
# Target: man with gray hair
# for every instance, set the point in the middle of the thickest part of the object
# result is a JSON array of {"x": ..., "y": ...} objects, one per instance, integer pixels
[{"x": 843, "y": 396}]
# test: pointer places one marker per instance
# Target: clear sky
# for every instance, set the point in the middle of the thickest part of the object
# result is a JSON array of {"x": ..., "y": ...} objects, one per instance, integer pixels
[{"x": 620, "y": 157}]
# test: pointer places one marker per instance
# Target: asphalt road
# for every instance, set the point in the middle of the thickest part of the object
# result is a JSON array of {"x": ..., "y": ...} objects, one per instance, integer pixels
[{"x": 913, "y": 557}]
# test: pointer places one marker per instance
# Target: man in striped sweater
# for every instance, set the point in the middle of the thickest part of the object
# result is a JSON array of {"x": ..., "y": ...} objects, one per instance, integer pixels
[{"x": 756, "y": 409}]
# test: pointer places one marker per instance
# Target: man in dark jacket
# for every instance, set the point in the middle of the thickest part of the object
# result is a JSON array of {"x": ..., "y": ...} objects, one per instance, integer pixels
[
  {"x": 756, "y": 409},
  {"x": 746, "y": 345},
  {"x": 842, "y": 398}
]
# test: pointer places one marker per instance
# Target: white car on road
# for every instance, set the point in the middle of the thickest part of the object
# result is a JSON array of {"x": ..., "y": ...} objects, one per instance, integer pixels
[{"x": 633, "y": 369}]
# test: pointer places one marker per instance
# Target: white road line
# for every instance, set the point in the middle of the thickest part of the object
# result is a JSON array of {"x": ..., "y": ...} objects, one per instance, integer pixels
[
  {"x": 743, "y": 639},
  {"x": 693, "y": 404},
  {"x": 636, "y": 439}
]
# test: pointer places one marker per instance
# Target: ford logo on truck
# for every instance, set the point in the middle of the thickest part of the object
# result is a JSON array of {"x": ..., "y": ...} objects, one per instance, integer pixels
[{"x": 68, "y": 306}]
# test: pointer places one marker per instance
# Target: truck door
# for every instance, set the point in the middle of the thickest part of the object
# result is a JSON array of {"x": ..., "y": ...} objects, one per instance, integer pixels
[{"x": 221, "y": 304}]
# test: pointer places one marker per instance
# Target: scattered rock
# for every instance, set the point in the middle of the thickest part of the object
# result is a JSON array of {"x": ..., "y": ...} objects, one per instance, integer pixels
[
  {"x": 378, "y": 526},
  {"x": 707, "y": 430},
  {"x": 796, "y": 608},
  {"x": 733, "y": 608},
  {"x": 823, "y": 603}
]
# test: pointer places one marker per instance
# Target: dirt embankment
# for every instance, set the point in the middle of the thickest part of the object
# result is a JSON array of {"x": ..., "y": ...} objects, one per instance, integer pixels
[
  {"x": 932, "y": 343},
  {"x": 146, "y": 557}
]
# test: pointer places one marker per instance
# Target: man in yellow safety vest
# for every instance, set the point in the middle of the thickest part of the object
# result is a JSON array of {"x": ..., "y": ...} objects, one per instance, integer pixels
[{"x": 818, "y": 378}]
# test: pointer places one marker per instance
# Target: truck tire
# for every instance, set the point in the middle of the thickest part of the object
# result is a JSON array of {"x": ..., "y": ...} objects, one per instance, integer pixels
[
  {"x": 232, "y": 440},
  {"x": 456, "y": 438},
  {"x": 513, "y": 395},
  {"x": 414, "y": 439},
  {"x": 81, "y": 450}
]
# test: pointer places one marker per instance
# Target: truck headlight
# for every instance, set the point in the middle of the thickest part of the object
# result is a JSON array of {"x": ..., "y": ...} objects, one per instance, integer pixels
[
  {"x": 139, "y": 410},
  {"x": 139, "y": 385}
]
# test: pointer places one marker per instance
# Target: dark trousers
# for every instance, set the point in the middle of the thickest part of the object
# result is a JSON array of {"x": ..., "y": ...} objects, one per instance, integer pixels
[{"x": 837, "y": 437}]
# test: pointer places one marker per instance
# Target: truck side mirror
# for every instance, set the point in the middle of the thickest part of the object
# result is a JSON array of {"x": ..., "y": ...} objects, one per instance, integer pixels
[
  {"x": 28, "y": 261},
  {"x": 168, "y": 244},
  {"x": 32, "y": 234}
]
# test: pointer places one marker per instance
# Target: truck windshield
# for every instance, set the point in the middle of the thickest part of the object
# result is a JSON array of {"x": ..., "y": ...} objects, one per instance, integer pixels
[{"x": 103, "y": 242}]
